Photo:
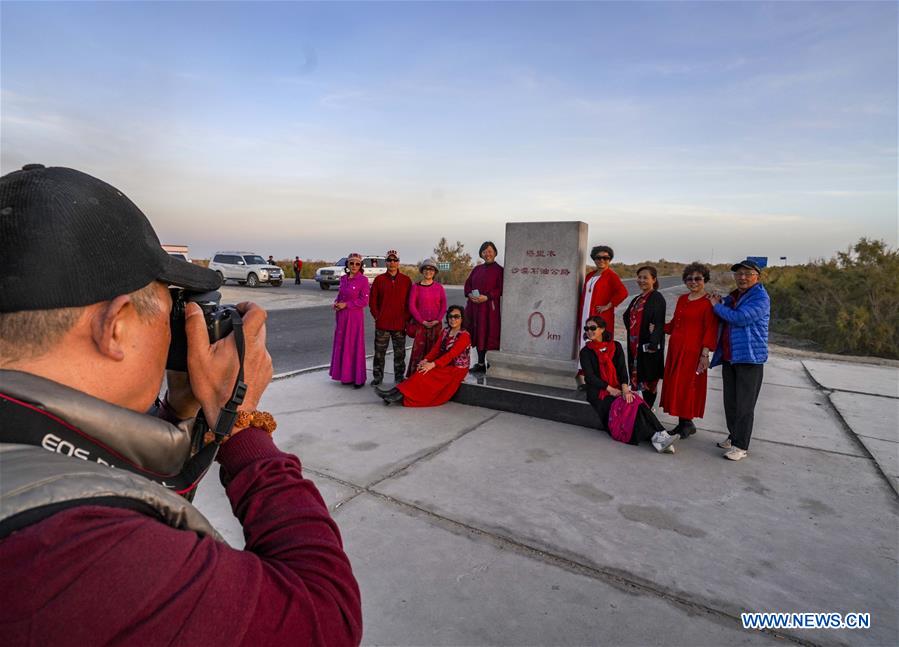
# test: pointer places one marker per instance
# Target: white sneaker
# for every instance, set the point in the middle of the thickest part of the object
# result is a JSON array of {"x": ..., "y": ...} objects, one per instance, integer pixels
[
  {"x": 736, "y": 454},
  {"x": 662, "y": 440},
  {"x": 725, "y": 444}
]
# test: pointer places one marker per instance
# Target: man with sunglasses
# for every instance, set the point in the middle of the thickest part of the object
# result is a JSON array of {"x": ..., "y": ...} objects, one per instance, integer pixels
[
  {"x": 389, "y": 305},
  {"x": 742, "y": 352}
]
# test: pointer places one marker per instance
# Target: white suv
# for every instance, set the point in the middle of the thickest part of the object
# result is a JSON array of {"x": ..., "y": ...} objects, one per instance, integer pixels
[
  {"x": 246, "y": 268},
  {"x": 371, "y": 267}
]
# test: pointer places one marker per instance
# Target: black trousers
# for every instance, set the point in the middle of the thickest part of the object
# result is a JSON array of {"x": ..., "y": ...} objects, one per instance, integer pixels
[
  {"x": 382, "y": 340},
  {"x": 742, "y": 383}
]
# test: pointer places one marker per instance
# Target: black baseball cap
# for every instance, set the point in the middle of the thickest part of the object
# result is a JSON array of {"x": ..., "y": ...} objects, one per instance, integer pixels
[
  {"x": 68, "y": 239},
  {"x": 748, "y": 264}
]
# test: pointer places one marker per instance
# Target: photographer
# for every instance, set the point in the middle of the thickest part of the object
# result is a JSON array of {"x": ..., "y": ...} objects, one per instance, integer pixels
[{"x": 98, "y": 543}]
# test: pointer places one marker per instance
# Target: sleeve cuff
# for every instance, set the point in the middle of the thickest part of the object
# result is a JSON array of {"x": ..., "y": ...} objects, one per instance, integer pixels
[{"x": 247, "y": 447}]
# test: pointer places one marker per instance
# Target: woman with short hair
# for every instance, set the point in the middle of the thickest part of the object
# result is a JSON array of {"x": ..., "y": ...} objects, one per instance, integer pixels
[
  {"x": 427, "y": 303},
  {"x": 621, "y": 413},
  {"x": 348, "y": 351},
  {"x": 694, "y": 335},
  {"x": 439, "y": 374},
  {"x": 644, "y": 322},
  {"x": 603, "y": 290},
  {"x": 483, "y": 312}
]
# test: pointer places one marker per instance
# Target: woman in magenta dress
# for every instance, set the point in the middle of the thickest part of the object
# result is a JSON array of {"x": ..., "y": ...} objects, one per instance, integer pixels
[
  {"x": 483, "y": 313},
  {"x": 427, "y": 303},
  {"x": 437, "y": 376},
  {"x": 694, "y": 334},
  {"x": 348, "y": 353}
]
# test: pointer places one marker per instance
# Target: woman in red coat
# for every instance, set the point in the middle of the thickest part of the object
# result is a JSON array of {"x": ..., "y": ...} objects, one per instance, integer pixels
[
  {"x": 694, "y": 333},
  {"x": 441, "y": 372},
  {"x": 603, "y": 290}
]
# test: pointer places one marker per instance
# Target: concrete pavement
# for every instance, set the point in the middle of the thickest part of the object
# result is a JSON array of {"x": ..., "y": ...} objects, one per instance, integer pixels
[{"x": 468, "y": 526}]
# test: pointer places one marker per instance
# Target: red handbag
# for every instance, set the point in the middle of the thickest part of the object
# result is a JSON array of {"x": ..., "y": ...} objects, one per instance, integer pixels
[{"x": 412, "y": 327}]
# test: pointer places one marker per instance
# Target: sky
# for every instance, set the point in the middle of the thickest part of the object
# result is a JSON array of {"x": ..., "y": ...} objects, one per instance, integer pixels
[{"x": 686, "y": 131}]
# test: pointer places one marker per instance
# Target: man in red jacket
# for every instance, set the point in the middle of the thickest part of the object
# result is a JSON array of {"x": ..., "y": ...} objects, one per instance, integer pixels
[
  {"x": 389, "y": 305},
  {"x": 98, "y": 542},
  {"x": 297, "y": 270}
]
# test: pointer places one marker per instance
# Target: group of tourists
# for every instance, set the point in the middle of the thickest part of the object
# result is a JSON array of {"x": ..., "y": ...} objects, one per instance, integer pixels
[
  {"x": 623, "y": 392},
  {"x": 622, "y": 383},
  {"x": 441, "y": 336}
]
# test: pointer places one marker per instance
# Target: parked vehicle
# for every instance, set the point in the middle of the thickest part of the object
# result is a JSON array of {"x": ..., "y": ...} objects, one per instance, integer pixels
[
  {"x": 246, "y": 268},
  {"x": 178, "y": 251},
  {"x": 371, "y": 267}
]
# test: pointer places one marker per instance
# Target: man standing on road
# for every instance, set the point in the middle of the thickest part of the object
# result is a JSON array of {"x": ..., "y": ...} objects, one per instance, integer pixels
[
  {"x": 297, "y": 270},
  {"x": 742, "y": 352},
  {"x": 389, "y": 306},
  {"x": 97, "y": 544}
]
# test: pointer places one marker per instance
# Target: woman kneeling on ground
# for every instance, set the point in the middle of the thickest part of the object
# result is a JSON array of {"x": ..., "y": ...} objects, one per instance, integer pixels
[
  {"x": 439, "y": 374},
  {"x": 624, "y": 415}
]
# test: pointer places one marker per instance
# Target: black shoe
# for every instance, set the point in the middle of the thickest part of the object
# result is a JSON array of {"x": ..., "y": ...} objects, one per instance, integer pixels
[
  {"x": 478, "y": 368},
  {"x": 687, "y": 429},
  {"x": 358, "y": 386},
  {"x": 397, "y": 396},
  {"x": 376, "y": 381}
]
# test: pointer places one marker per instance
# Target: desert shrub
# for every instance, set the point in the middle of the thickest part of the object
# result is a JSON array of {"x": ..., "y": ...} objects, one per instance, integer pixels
[{"x": 848, "y": 304}]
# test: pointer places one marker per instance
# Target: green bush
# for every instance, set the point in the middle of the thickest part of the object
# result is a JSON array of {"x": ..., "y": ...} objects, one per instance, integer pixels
[{"x": 848, "y": 304}]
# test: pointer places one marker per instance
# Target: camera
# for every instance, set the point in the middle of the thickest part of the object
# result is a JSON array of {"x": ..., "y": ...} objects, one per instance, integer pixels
[{"x": 217, "y": 316}]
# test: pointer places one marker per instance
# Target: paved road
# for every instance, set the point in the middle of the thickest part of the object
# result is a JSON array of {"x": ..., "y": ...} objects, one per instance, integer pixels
[{"x": 301, "y": 338}]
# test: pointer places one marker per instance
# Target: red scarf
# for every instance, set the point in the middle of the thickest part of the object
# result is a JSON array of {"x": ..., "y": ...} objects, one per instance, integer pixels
[
  {"x": 635, "y": 323},
  {"x": 605, "y": 352}
]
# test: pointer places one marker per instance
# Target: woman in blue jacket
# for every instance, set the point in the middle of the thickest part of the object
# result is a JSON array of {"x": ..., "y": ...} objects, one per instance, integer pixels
[{"x": 742, "y": 352}]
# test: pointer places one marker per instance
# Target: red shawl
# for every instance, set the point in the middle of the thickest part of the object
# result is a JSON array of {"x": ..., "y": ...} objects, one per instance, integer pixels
[{"x": 605, "y": 352}]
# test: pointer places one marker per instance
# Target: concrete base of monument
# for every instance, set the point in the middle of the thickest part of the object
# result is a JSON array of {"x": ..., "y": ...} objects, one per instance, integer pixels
[
  {"x": 532, "y": 370},
  {"x": 526, "y": 398}
]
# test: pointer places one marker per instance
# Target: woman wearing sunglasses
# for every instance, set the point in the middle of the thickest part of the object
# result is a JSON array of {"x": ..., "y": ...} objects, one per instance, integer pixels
[
  {"x": 348, "y": 352},
  {"x": 624, "y": 415},
  {"x": 694, "y": 333},
  {"x": 427, "y": 303},
  {"x": 439, "y": 374}
]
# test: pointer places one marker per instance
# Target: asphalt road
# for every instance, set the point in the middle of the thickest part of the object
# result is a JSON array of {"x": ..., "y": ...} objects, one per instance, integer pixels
[{"x": 301, "y": 338}]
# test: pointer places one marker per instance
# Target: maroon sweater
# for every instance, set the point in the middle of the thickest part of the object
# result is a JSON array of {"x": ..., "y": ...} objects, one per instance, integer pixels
[
  {"x": 389, "y": 301},
  {"x": 95, "y": 575}
]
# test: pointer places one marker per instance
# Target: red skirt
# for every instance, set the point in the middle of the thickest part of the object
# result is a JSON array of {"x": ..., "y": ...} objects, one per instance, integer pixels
[
  {"x": 424, "y": 341},
  {"x": 683, "y": 391},
  {"x": 433, "y": 388}
]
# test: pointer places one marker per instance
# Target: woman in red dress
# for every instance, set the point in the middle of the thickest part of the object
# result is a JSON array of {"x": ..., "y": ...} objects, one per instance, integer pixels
[
  {"x": 440, "y": 373},
  {"x": 694, "y": 334},
  {"x": 483, "y": 312}
]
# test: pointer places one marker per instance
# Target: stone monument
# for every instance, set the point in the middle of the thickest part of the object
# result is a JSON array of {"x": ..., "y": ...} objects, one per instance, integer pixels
[{"x": 544, "y": 265}]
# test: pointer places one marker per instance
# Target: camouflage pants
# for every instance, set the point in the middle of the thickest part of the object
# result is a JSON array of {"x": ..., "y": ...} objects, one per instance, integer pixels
[{"x": 382, "y": 339}]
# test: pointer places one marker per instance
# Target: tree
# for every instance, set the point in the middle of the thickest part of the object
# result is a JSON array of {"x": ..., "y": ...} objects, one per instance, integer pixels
[{"x": 457, "y": 257}]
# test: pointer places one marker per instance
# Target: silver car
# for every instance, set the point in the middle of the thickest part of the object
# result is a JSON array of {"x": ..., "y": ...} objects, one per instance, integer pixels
[{"x": 246, "y": 268}]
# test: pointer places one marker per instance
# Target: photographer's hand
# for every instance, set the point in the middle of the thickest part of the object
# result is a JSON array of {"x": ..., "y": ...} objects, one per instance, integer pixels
[
  {"x": 213, "y": 367},
  {"x": 179, "y": 396}
]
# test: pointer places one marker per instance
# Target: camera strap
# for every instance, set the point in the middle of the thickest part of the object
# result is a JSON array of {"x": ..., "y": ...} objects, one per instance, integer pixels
[
  {"x": 199, "y": 463},
  {"x": 228, "y": 413}
]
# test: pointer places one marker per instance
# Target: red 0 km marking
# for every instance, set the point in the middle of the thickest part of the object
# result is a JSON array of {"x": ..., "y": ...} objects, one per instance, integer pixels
[{"x": 539, "y": 333}]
